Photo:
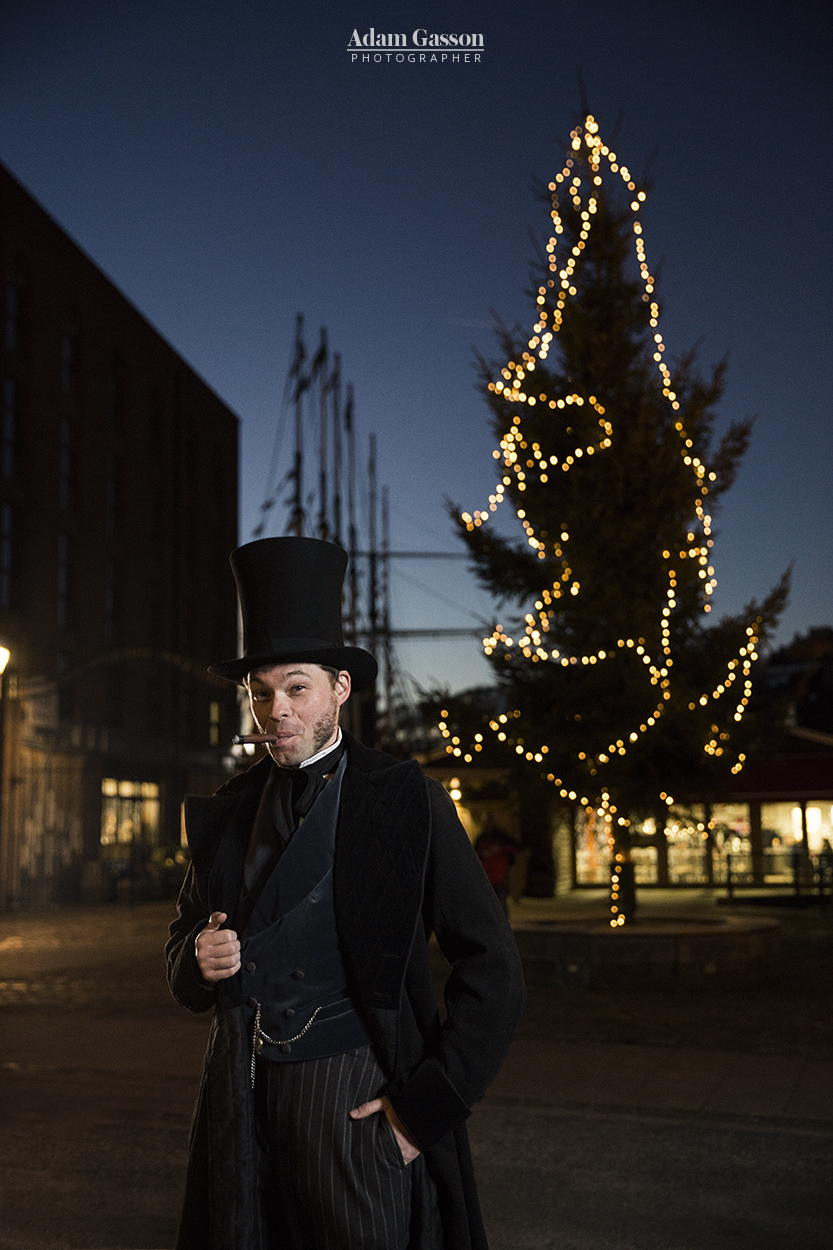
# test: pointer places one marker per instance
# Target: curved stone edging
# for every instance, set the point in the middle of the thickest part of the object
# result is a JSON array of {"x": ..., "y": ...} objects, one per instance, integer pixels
[{"x": 648, "y": 953}]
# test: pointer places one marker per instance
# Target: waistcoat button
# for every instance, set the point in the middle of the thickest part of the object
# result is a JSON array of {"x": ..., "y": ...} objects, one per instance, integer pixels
[
  {"x": 251, "y": 1002},
  {"x": 250, "y": 966},
  {"x": 285, "y": 1047},
  {"x": 298, "y": 974}
]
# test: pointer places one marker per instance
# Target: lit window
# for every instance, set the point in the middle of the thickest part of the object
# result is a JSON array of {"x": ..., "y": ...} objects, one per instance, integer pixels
[{"x": 129, "y": 813}]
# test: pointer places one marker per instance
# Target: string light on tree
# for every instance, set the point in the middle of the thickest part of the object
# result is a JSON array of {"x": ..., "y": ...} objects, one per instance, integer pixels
[
  {"x": 513, "y": 445},
  {"x": 554, "y": 425}
]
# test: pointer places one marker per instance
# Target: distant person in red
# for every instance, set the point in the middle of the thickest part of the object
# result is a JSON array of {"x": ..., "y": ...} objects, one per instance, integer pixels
[{"x": 496, "y": 851}]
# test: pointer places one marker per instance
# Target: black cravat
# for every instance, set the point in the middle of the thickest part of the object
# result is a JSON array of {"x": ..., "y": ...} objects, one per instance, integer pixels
[{"x": 294, "y": 790}]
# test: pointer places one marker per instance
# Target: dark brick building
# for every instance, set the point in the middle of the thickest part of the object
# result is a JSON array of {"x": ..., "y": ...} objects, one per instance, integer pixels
[{"x": 118, "y": 508}]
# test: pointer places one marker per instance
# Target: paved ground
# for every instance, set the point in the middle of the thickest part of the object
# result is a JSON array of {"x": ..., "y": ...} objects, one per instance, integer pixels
[{"x": 585, "y": 1142}]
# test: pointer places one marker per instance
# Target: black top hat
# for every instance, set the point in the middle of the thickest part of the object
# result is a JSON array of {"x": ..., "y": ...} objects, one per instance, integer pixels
[{"x": 290, "y": 600}]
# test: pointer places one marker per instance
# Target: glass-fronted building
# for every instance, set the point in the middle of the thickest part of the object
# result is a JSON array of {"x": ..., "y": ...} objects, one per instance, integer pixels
[{"x": 775, "y": 827}]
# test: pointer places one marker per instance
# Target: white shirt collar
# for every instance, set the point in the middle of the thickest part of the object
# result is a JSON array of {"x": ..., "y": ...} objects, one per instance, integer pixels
[{"x": 320, "y": 754}]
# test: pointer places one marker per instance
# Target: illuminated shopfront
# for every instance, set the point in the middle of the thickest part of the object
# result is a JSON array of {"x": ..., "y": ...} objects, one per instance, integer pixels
[{"x": 777, "y": 830}]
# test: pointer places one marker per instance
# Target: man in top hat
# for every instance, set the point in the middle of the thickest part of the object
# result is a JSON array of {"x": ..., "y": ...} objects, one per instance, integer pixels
[{"x": 332, "y": 1105}]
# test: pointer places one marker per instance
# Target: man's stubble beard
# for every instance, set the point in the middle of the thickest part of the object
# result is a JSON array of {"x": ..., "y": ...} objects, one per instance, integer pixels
[{"x": 325, "y": 729}]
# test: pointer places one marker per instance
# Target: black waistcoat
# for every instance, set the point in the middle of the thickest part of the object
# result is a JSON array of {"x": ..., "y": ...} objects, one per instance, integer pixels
[{"x": 292, "y": 973}]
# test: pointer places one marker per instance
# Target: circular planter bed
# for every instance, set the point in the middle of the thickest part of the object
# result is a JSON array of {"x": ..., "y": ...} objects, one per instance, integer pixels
[{"x": 647, "y": 953}]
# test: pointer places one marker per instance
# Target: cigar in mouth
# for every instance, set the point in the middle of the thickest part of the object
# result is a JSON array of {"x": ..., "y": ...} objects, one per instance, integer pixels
[{"x": 240, "y": 740}]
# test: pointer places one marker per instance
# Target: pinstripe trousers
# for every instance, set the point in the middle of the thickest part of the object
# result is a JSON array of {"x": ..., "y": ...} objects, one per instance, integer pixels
[{"x": 332, "y": 1183}]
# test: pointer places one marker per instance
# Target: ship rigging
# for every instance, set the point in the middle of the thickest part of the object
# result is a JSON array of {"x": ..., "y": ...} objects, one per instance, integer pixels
[{"x": 320, "y": 411}]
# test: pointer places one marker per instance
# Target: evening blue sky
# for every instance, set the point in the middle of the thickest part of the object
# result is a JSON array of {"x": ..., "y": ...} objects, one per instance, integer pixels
[{"x": 228, "y": 165}]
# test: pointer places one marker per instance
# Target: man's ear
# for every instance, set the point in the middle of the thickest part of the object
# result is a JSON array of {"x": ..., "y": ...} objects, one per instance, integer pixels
[{"x": 342, "y": 687}]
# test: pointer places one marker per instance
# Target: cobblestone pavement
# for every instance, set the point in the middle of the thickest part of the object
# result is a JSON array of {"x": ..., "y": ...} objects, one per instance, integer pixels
[
  {"x": 696, "y": 1133},
  {"x": 102, "y": 959}
]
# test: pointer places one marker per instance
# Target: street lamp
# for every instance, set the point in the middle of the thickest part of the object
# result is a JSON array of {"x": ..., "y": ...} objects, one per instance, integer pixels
[{"x": 5, "y": 656}]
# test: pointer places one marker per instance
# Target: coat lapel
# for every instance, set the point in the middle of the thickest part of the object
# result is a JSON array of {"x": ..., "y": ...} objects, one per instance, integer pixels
[
  {"x": 307, "y": 858},
  {"x": 218, "y": 835},
  {"x": 380, "y": 858}
]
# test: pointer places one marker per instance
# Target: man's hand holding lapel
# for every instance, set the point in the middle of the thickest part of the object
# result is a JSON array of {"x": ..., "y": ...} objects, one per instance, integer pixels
[{"x": 218, "y": 950}]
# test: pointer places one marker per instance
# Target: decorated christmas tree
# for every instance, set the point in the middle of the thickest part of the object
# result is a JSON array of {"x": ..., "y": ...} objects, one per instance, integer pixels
[{"x": 620, "y": 691}]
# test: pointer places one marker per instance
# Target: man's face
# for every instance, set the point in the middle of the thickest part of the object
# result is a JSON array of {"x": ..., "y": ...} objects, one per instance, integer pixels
[{"x": 299, "y": 704}]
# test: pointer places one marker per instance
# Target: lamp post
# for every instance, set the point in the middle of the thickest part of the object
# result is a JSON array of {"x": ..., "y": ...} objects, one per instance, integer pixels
[{"x": 5, "y": 656}]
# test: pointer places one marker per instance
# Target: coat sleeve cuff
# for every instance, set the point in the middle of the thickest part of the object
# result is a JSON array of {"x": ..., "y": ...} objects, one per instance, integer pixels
[
  {"x": 186, "y": 981},
  {"x": 427, "y": 1103}
]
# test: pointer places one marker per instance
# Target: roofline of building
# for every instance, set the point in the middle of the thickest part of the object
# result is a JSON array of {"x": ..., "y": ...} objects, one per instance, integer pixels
[{"x": 142, "y": 316}]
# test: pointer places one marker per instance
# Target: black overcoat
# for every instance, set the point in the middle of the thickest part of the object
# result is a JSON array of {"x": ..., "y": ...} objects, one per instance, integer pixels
[{"x": 404, "y": 868}]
